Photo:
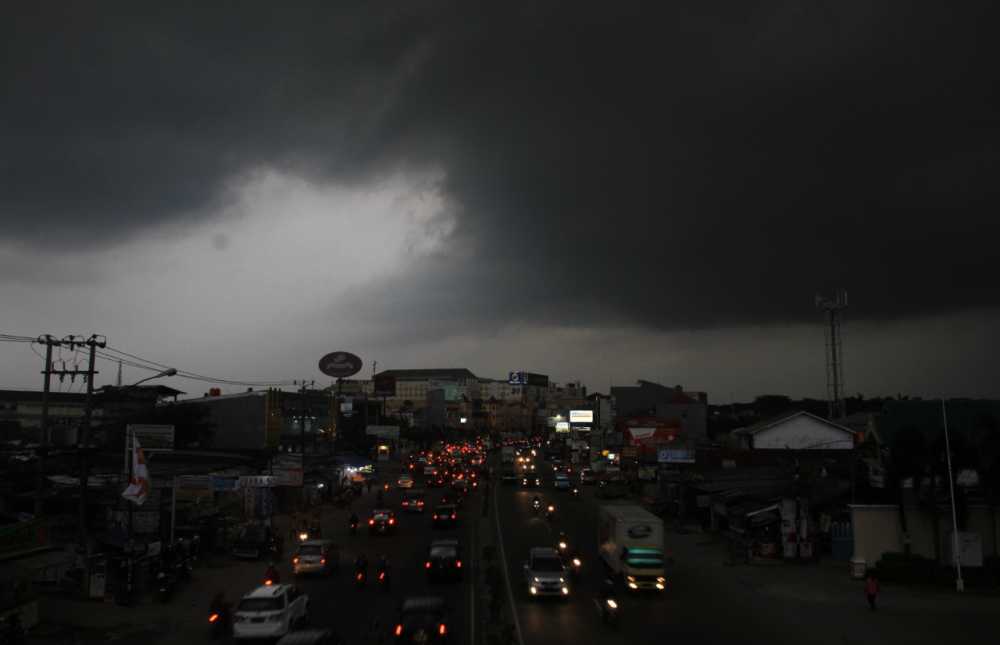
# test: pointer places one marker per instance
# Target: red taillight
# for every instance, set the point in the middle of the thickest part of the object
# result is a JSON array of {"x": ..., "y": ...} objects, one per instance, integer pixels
[
  {"x": 213, "y": 618},
  {"x": 322, "y": 560},
  {"x": 458, "y": 563},
  {"x": 452, "y": 516},
  {"x": 268, "y": 583},
  {"x": 420, "y": 503},
  {"x": 381, "y": 576},
  {"x": 442, "y": 629},
  {"x": 392, "y": 520},
  {"x": 427, "y": 565},
  {"x": 405, "y": 503},
  {"x": 360, "y": 576},
  {"x": 295, "y": 560},
  {"x": 371, "y": 522},
  {"x": 435, "y": 517},
  {"x": 399, "y": 630}
]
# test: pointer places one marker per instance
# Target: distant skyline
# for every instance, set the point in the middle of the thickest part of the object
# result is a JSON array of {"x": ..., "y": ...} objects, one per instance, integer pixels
[{"x": 601, "y": 192}]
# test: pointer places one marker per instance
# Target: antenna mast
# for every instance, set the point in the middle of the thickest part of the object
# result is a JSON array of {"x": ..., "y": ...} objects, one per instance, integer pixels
[{"x": 834, "y": 353}]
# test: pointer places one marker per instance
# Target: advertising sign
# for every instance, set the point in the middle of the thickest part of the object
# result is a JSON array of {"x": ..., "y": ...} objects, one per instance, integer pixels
[
  {"x": 152, "y": 437},
  {"x": 256, "y": 481},
  {"x": 581, "y": 416},
  {"x": 562, "y": 426},
  {"x": 675, "y": 456},
  {"x": 340, "y": 364},
  {"x": 517, "y": 378}
]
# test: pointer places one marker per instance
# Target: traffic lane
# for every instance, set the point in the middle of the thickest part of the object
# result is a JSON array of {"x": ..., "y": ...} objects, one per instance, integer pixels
[
  {"x": 336, "y": 602},
  {"x": 692, "y": 607},
  {"x": 544, "y": 620}
]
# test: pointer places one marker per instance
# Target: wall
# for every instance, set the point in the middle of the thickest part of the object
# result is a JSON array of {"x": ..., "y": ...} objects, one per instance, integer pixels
[
  {"x": 239, "y": 421},
  {"x": 801, "y": 433},
  {"x": 877, "y": 530}
]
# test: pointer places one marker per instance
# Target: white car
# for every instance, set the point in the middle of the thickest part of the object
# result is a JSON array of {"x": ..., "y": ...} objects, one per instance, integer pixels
[
  {"x": 405, "y": 481},
  {"x": 545, "y": 574},
  {"x": 270, "y": 611}
]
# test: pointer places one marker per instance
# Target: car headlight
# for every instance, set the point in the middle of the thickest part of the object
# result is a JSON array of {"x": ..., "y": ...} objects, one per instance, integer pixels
[
  {"x": 659, "y": 585},
  {"x": 612, "y": 603},
  {"x": 631, "y": 578},
  {"x": 632, "y": 585},
  {"x": 562, "y": 581},
  {"x": 533, "y": 590},
  {"x": 661, "y": 579},
  {"x": 565, "y": 591},
  {"x": 576, "y": 562},
  {"x": 535, "y": 580}
]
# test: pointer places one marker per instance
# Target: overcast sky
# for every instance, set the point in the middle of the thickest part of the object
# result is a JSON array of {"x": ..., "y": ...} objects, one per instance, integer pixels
[{"x": 599, "y": 191}]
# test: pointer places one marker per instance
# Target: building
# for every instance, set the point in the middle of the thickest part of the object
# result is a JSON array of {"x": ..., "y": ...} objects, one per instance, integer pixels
[
  {"x": 21, "y": 411},
  {"x": 399, "y": 389},
  {"x": 796, "y": 431},
  {"x": 673, "y": 406}
]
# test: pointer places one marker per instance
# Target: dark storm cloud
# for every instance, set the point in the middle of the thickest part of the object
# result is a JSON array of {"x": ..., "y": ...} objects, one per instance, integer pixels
[{"x": 687, "y": 165}]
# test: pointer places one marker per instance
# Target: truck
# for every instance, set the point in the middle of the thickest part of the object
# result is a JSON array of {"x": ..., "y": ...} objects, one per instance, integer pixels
[
  {"x": 630, "y": 544},
  {"x": 507, "y": 455}
]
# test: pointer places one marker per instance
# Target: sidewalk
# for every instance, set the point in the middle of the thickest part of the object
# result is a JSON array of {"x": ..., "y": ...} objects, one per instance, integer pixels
[
  {"x": 181, "y": 620},
  {"x": 826, "y": 583}
]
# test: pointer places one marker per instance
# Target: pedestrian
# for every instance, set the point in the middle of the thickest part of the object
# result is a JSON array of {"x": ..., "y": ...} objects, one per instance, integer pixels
[{"x": 871, "y": 589}]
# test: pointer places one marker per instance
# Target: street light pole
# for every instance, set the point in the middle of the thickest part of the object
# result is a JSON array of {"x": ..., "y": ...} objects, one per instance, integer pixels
[{"x": 956, "y": 554}]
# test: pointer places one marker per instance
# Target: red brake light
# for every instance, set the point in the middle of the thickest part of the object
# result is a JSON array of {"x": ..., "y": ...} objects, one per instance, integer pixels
[
  {"x": 427, "y": 565},
  {"x": 452, "y": 516},
  {"x": 213, "y": 618},
  {"x": 295, "y": 560},
  {"x": 458, "y": 563},
  {"x": 442, "y": 629},
  {"x": 435, "y": 516},
  {"x": 399, "y": 630},
  {"x": 392, "y": 520},
  {"x": 381, "y": 576},
  {"x": 268, "y": 583},
  {"x": 371, "y": 522},
  {"x": 322, "y": 560}
]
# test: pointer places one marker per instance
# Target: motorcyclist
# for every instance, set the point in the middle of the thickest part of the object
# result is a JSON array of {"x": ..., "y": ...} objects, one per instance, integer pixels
[
  {"x": 221, "y": 607},
  {"x": 536, "y": 502},
  {"x": 562, "y": 542},
  {"x": 383, "y": 568},
  {"x": 272, "y": 574}
]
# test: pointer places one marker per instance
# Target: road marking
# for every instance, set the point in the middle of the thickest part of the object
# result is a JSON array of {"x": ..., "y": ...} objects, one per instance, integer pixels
[{"x": 506, "y": 573}]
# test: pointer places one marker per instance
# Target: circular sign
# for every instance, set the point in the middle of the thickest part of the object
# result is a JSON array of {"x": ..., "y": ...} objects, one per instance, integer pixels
[{"x": 340, "y": 364}]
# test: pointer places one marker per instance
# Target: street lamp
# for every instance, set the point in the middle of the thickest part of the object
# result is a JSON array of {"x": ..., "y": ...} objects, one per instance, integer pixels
[{"x": 167, "y": 372}]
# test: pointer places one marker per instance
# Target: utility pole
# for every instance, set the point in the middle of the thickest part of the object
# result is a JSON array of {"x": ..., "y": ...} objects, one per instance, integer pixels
[
  {"x": 834, "y": 353},
  {"x": 92, "y": 343},
  {"x": 43, "y": 438},
  {"x": 955, "y": 550}
]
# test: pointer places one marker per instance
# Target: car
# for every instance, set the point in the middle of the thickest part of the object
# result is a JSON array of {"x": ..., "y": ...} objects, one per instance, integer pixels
[
  {"x": 382, "y": 521},
  {"x": 444, "y": 560},
  {"x": 531, "y": 481},
  {"x": 444, "y": 516},
  {"x": 545, "y": 574},
  {"x": 316, "y": 556},
  {"x": 561, "y": 482},
  {"x": 270, "y": 611},
  {"x": 256, "y": 541},
  {"x": 437, "y": 481},
  {"x": 405, "y": 481},
  {"x": 588, "y": 476},
  {"x": 414, "y": 500},
  {"x": 311, "y": 637},
  {"x": 452, "y": 498},
  {"x": 422, "y": 620}
]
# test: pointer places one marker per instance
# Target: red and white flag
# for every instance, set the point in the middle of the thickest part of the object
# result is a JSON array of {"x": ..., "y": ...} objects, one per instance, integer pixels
[{"x": 138, "y": 487}]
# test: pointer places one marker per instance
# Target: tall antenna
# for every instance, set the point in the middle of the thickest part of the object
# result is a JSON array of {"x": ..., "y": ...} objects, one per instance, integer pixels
[{"x": 834, "y": 353}]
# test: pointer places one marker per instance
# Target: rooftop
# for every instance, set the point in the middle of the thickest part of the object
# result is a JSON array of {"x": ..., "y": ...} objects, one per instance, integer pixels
[{"x": 449, "y": 373}]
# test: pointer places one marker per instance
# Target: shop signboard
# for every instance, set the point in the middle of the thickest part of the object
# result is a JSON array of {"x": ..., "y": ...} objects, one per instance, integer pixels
[
  {"x": 675, "y": 456},
  {"x": 256, "y": 481},
  {"x": 581, "y": 416},
  {"x": 562, "y": 426},
  {"x": 152, "y": 437}
]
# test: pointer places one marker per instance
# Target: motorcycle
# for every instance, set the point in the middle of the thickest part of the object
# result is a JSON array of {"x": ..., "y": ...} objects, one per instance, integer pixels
[
  {"x": 383, "y": 579},
  {"x": 575, "y": 566},
  {"x": 608, "y": 609},
  {"x": 576, "y": 492},
  {"x": 219, "y": 623},
  {"x": 536, "y": 506},
  {"x": 164, "y": 585}
]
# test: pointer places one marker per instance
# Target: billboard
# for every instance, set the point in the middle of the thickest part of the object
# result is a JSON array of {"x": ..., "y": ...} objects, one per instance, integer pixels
[
  {"x": 527, "y": 378},
  {"x": 581, "y": 416},
  {"x": 340, "y": 364},
  {"x": 385, "y": 385},
  {"x": 153, "y": 437}
]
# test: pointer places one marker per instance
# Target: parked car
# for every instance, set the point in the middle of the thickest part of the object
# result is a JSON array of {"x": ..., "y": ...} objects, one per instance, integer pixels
[
  {"x": 316, "y": 556},
  {"x": 270, "y": 611}
]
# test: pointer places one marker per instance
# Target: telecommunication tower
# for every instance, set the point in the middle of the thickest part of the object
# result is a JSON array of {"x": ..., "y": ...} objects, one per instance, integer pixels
[{"x": 834, "y": 353}]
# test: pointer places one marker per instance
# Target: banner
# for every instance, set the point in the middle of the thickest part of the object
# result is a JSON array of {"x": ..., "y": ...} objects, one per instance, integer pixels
[{"x": 138, "y": 487}]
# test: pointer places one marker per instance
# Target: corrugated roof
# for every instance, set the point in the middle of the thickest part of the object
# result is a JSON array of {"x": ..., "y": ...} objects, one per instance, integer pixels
[{"x": 760, "y": 426}]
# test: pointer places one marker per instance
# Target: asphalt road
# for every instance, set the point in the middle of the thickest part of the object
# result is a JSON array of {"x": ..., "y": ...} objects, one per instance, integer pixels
[
  {"x": 706, "y": 602},
  {"x": 336, "y": 602}
]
